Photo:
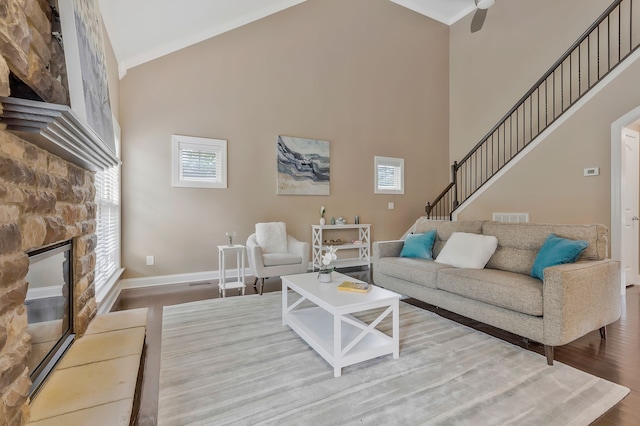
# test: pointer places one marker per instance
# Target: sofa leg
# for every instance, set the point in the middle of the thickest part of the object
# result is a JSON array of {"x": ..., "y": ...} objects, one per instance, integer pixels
[
  {"x": 255, "y": 282},
  {"x": 603, "y": 332},
  {"x": 548, "y": 352},
  {"x": 261, "y": 285}
]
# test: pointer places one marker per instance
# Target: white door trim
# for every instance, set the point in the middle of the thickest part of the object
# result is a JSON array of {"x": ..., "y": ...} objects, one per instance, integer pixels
[{"x": 616, "y": 186}]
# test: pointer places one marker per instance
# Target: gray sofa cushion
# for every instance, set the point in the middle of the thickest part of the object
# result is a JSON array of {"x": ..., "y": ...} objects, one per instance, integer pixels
[
  {"x": 509, "y": 290},
  {"x": 418, "y": 271},
  {"x": 518, "y": 243}
]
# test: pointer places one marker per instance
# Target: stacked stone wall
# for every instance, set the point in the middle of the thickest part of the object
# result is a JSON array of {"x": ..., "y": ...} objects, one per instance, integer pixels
[
  {"x": 43, "y": 200},
  {"x": 30, "y": 51}
]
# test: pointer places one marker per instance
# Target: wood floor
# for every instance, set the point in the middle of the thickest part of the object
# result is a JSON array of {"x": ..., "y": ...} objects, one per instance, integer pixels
[{"x": 616, "y": 359}]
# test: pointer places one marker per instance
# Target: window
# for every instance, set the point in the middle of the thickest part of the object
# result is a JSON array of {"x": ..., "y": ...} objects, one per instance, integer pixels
[
  {"x": 198, "y": 162},
  {"x": 389, "y": 175},
  {"x": 107, "y": 199}
]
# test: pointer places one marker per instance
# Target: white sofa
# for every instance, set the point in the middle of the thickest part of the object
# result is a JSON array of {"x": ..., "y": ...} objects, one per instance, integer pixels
[{"x": 572, "y": 300}]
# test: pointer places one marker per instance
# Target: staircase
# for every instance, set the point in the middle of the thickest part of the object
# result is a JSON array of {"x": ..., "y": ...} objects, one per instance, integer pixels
[{"x": 608, "y": 42}]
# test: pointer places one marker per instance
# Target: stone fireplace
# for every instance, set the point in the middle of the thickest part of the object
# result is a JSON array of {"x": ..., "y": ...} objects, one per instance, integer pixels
[
  {"x": 47, "y": 164},
  {"x": 43, "y": 200}
]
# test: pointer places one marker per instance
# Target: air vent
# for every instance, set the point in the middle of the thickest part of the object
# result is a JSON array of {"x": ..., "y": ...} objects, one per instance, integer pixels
[{"x": 511, "y": 217}]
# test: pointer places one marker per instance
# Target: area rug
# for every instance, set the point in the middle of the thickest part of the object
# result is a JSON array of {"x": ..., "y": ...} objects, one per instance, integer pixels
[{"x": 231, "y": 362}]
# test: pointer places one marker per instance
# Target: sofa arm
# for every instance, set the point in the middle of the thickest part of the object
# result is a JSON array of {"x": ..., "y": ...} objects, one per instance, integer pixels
[
  {"x": 386, "y": 249},
  {"x": 579, "y": 298}
]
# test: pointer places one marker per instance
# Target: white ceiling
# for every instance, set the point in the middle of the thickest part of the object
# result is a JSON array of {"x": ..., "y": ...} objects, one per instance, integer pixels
[{"x": 143, "y": 30}]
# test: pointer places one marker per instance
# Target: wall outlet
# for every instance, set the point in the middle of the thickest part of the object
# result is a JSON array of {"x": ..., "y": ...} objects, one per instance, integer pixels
[
  {"x": 391, "y": 206},
  {"x": 150, "y": 260}
]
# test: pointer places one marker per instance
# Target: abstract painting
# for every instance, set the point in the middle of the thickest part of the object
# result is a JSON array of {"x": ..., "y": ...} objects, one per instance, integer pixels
[
  {"x": 86, "y": 66},
  {"x": 303, "y": 166}
]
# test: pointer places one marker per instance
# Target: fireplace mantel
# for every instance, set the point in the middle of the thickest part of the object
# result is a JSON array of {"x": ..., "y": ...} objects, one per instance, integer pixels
[{"x": 57, "y": 129}]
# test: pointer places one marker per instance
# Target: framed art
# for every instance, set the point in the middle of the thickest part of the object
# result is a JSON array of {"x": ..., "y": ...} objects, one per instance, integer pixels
[
  {"x": 303, "y": 166},
  {"x": 86, "y": 66}
]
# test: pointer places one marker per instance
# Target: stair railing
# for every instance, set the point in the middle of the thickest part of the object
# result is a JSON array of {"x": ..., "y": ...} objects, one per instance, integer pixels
[{"x": 600, "y": 49}]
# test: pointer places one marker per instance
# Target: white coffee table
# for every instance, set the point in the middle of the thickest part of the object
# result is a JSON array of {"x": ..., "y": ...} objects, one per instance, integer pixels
[{"x": 330, "y": 329}]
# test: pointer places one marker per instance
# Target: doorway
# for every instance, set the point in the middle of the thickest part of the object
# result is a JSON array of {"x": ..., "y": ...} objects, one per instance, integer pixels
[{"x": 625, "y": 171}]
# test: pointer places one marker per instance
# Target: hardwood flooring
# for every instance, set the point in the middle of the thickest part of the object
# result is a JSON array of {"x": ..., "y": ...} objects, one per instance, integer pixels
[{"x": 616, "y": 359}]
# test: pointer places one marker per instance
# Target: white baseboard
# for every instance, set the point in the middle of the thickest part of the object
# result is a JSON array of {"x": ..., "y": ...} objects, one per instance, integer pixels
[{"x": 177, "y": 278}]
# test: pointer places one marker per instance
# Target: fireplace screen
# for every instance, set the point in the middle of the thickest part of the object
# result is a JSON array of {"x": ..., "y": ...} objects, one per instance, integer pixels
[{"x": 49, "y": 308}]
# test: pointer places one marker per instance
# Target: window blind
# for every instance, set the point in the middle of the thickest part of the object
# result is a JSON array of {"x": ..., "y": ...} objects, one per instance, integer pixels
[
  {"x": 389, "y": 177},
  {"x": 107, "y": 183},
  {"x": 198, "y": 164}
]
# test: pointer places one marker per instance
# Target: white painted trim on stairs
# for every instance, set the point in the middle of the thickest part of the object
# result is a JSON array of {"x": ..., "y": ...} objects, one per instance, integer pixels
[{"x": 549, "y": 130}]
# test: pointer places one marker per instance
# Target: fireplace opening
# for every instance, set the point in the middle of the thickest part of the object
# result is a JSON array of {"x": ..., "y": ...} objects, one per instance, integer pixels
[{"x": 49, "y": 309}]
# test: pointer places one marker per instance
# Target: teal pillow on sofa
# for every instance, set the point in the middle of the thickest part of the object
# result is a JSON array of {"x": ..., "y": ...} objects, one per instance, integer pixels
[
  {"x": 556, "y": 251},
  {"x": 419, "y": 245}
]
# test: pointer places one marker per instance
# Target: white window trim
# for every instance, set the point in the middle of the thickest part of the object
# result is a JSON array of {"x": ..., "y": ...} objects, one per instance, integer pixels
[
  {"x": 392, "y": 162},
  {"x": 219, "y": 146},
  {"x": 108, "y": 265}
]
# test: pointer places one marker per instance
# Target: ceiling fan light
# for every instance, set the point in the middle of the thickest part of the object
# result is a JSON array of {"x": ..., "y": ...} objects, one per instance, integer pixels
[{"x": 484, "y": 4}]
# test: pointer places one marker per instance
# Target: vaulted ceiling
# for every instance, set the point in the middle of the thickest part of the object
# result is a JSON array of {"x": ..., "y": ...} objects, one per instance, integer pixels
[{"x": 143, "y": 30}]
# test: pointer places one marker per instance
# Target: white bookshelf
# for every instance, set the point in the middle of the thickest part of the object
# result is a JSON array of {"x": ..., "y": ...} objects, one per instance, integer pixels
[{"x": 358, "y": 254}]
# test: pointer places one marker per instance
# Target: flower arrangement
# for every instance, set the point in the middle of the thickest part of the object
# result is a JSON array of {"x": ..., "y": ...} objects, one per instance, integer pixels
[
  {"x": 230, "y": 235},
  {"x": 327, "y": 259},
  {"x": 322, "y": 210}
]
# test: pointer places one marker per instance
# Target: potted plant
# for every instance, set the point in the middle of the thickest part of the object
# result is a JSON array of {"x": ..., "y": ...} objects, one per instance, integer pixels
[{"x": 325, "y": 273}]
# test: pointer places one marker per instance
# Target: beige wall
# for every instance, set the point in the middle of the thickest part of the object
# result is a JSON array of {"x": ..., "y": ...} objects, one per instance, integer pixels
[
  {"x": 492, "y": 69},
  {"x": 112, "y": 75},
  {"x": 369, "y": 76}
]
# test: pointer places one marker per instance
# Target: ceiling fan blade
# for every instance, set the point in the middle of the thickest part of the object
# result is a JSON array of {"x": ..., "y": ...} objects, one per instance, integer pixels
[{"x": 478, "y": 20}]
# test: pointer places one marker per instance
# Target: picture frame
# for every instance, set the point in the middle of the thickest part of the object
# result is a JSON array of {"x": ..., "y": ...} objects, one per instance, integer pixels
[
  {"x": 303, "y": 166},
  {"x": 86, "y": 66}
]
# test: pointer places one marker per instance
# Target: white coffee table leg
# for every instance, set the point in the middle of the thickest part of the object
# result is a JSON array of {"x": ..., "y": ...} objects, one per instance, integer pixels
[
  {"x": 337, "y": 346},
  {"x": 285, "y": 306},
  {"x": 396, "y": 329}
]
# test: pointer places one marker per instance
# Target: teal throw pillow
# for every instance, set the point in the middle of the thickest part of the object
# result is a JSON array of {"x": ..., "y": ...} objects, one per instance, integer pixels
[
  {"x": 419, "y": 245},
  {"x": 556, "y": 251}
]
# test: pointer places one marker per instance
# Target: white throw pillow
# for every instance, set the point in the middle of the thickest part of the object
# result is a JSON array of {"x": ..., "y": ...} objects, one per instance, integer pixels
[
  {"x": 464, "y": 250},
  {"x": 272, "y": 237}
]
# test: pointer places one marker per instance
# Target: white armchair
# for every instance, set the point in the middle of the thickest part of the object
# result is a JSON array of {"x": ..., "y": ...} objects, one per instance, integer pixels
[{"x": 273, "y": 253}]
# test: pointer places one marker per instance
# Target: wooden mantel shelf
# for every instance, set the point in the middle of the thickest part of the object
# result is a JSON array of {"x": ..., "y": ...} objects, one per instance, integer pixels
[{"x": 57, "y": 129}]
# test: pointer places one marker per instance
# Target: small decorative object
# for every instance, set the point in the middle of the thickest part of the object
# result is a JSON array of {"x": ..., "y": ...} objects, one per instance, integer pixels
[
  {"x": 322, "y": 210},
  {"x": 333, "y": 220},
  {"x": 324, "y": 275},
  {"x": 230, "y": 235},
  {"x": 341, "y": 221},
  {"x": 357, "y": 220}
]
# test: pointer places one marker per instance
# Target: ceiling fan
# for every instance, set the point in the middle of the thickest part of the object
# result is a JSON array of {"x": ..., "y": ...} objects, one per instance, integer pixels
[{"x": 481, "y": 14}]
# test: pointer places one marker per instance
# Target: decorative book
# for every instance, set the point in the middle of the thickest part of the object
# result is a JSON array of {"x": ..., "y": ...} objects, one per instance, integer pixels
[{"x": 355, "y": 287}]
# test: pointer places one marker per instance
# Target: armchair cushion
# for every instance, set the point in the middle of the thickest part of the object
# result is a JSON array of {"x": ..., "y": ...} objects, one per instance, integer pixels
[
  {"x": 272, "y": 237},
  {"x": 277, "y": 259}
]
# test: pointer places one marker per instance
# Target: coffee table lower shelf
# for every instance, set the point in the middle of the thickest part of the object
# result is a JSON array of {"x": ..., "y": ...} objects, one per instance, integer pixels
[{"x": 358, "y": 340}]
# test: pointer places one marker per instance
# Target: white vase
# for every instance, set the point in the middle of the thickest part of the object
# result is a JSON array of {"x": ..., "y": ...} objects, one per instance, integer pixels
[
  {"x": 322, "y": 221},
  {"x": 324, "y": 277}
]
